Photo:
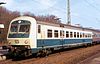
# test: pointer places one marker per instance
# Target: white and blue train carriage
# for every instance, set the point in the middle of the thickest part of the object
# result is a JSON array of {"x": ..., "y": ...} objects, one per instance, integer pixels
[{"x": 27, "y": 36}]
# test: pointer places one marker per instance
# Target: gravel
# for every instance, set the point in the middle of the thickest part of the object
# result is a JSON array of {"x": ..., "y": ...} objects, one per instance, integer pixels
[{"x": 74, "y": 56}]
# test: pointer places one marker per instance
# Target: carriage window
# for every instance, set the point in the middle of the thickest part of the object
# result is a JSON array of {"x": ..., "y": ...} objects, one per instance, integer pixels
[
  {"x": 67, "y": 34},
  {"x": 14, "y": 28},
  {"x": 89, "y": 35},
  {"x": 24, "y": 28},
  {"x": 55, "y": 33},
  {"x": 39, "y": 29},
  {"x": 20, "y": 28},
  {"x": 74, "y": 34},
  {"x": 86, "y": 35},
  {"x": 49, "y": 33},
  {"x": 80, "y": 35},
  {"x": 61, "y": 33},
  {"x": 71, "y": 34},
  {"x": 77, "y": 34}
]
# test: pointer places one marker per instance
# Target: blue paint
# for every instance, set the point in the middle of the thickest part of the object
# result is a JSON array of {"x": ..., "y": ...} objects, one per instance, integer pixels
[{"x": 54, "y": 42}]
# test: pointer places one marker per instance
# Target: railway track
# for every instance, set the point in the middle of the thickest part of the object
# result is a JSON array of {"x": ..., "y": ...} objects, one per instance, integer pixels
[{"x": 66, "y": 57}]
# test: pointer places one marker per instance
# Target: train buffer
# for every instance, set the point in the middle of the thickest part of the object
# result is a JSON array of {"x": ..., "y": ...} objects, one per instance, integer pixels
[{"x": 3, "y": 52}]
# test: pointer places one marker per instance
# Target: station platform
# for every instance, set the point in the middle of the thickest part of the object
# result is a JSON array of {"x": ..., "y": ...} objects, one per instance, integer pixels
[{"x": 95, "y": 59}]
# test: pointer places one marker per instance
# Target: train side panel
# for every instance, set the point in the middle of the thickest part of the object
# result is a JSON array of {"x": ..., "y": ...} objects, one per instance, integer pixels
[{"x": 43, "y": 41}]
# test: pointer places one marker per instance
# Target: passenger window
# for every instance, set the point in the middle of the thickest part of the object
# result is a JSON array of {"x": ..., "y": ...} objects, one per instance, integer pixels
[
  {"x": 49, "y": 33},
  {"x": 67, "y": 34},
  {"x": 89, "y": 35},
  {"x": 86, "y": 36},
  {"x": 74, "y": 34},
  {"x": 77, "y": 34},
  {"x": 71, "y": 34},
  {"x": 39, "y": 29},
  {"x": 55, "y": 33}
]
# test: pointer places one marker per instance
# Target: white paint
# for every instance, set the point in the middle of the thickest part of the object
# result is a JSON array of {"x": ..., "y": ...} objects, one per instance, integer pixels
[{"x": 32, "y": 37}]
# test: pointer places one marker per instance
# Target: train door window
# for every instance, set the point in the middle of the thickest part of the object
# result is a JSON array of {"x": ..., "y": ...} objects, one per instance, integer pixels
[
  {"x": 39, "y": 28},
  {"x": 49, "y": 33},
  {"x": 74, "y": 34},
  {"x": 71, "y": 34},
  {"x": 56, "y": 33},
  {"x": 61, "y": 33},
  {"x": 77, "y": 34},
  {"x": 67, "y": 34}
]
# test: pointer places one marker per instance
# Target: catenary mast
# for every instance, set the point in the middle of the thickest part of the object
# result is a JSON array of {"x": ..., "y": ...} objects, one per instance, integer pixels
[{"x": 68, "y": 13}]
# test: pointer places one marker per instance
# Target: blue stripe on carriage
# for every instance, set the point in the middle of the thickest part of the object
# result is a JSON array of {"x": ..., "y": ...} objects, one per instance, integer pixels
[{"x": 54, "y": 42}]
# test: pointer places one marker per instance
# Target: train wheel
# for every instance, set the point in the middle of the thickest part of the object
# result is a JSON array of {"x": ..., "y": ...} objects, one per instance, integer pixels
[
  {"x": 85, "y": 45},
  {"x": 44, "y": 52},
  {"x": 29, "y": 52},
  {"x": 26, "y": 54}
]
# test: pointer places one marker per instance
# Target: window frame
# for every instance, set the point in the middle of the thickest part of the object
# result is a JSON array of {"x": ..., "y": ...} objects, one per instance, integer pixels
[
  {"x": 49, "y": 34},
  {"x": 67, "y": 34},
  {"x": 56, "y": 34}
]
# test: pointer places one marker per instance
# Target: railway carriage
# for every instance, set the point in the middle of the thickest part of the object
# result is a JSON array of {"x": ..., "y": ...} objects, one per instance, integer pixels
[
  {"x": 96, "y": 36},
  {"x": 27, "y": 36}
]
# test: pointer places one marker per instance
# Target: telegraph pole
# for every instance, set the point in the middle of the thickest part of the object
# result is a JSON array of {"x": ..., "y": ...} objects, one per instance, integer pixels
[{"x": 68, "y": 13}]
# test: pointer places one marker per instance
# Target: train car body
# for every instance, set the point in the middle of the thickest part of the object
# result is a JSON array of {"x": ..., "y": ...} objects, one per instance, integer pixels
[
  {"x": 96, "y": 36},
  {"x": 27, "y": 36}
]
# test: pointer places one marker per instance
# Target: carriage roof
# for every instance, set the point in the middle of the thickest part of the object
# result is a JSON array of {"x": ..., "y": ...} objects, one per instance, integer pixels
[{"x": 54, "y": 24}]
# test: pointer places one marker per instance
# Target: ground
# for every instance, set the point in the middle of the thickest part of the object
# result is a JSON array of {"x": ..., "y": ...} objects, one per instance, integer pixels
[{"x": 75, "y": 56}]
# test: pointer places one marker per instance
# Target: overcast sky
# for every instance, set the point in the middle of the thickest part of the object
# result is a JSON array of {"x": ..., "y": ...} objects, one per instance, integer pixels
[{"x": 84, "y": 12}]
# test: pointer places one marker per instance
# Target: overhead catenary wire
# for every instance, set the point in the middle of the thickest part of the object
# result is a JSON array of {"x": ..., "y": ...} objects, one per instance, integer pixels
[
  {"x": 92, "y": 5},
  {"x": 52, "y": 7},
  {"x": 64, "y": 11}
]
